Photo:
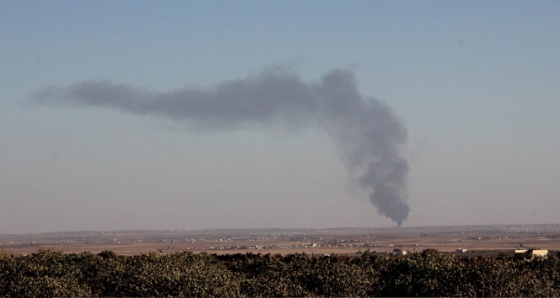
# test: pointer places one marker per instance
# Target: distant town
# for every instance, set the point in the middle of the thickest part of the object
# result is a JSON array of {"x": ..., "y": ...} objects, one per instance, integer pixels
[{"x": 400, "y": 241}]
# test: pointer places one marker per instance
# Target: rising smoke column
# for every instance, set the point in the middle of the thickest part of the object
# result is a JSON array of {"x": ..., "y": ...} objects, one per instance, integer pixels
[
  {"x": 366, "y": 131},
  {"x": 369, "y": 135}
]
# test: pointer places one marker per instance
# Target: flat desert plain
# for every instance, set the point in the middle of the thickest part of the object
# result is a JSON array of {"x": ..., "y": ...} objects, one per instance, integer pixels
[{"x": 465, "y": 240}]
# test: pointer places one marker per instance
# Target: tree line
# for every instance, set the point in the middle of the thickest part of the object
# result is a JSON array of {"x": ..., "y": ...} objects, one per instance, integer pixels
[{"x": 185, "y": 274}]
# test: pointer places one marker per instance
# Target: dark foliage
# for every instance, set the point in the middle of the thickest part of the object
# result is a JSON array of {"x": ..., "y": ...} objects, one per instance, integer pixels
[{"x": 429, "y": 273}]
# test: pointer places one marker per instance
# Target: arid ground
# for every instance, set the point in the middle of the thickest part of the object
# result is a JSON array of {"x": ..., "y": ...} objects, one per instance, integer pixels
[{"x": 468, "y": 240}]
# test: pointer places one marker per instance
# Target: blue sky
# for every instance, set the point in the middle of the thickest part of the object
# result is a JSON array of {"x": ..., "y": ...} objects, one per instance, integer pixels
[{"x": 475, "y": 83}]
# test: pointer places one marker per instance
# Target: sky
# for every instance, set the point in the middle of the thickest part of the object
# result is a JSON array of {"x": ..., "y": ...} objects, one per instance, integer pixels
[{"x": 123, "y": 115}]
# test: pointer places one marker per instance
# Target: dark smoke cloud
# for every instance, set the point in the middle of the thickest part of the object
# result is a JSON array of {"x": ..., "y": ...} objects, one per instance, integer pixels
[{"x": 366, "y": 130}]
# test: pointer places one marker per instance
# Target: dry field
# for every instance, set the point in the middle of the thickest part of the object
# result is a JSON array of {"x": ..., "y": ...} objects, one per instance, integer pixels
[{"x": 340, "y": 241}]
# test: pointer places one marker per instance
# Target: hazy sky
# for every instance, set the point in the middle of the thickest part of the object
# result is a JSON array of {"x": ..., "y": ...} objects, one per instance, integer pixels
[{"x": 476, "y": 85}]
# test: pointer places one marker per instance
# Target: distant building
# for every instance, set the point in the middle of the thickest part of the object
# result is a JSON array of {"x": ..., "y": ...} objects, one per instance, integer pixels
[
  {"x": 400, "y": 252},
  {"x": 530, "y": 253}
]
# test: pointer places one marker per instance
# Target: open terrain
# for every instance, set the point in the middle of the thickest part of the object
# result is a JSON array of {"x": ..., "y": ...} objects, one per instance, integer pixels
[{"x": 471, "y": 239}]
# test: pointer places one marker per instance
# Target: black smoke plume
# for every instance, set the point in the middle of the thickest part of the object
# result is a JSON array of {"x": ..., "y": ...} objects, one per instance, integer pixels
[{"x": 366, "y": 131}]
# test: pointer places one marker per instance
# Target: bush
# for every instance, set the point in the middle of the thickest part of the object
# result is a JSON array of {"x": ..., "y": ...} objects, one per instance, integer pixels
[{"x": 429, "y": 273}]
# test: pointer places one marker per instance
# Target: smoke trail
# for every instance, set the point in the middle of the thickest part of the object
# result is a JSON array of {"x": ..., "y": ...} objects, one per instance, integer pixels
[{"x": 366, "y": 131}]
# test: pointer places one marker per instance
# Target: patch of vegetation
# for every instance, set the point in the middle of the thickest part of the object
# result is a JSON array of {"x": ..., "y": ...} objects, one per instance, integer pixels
[{"x": 428, "y": 273}]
